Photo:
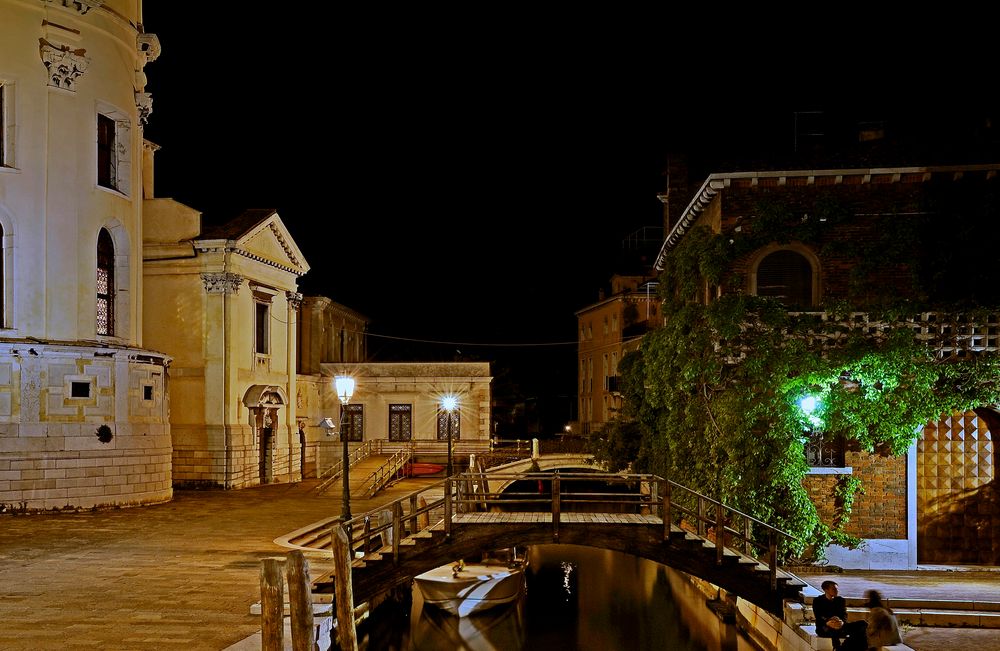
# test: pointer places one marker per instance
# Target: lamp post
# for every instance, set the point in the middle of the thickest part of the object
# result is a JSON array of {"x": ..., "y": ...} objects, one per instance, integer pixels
[
  {"x": 345, "y": 389},
  {"x": 449, "y": 404}
]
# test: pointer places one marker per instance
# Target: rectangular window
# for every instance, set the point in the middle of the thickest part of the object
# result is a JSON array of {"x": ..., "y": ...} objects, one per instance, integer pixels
[
  {"x": 107, "y": 162},
  {"x": 261, "y": 330},
  {"x": 147, "y": 392},
  {"x": 79, "y": 389},
  {"x": 353, "y": 417},
  {"x": 455, "y": 418},
  {"x": 400, "y": 422},
  {"x": 3, "y": 128}
]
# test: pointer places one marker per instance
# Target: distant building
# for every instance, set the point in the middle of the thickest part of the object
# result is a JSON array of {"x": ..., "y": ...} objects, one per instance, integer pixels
[
  {"x": 83, "y": 398},
  {"x": 607, "y": 330}
]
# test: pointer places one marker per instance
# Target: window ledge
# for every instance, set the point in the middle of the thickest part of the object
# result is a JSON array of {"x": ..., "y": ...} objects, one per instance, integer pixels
[
  {"x": 114, "y": 191},
  {"x": 817, "y": 470},
  {"x": 4, "y": 169}
]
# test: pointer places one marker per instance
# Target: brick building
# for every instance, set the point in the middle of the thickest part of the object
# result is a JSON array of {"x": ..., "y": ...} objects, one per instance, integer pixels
[{"x": 920, "y": 233}]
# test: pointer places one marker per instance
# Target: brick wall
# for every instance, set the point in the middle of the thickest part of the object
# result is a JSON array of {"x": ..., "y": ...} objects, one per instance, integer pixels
[{"x": 878, "y": 513}]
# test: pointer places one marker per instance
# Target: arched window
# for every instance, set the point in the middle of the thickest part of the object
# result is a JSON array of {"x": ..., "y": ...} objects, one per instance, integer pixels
[
  {"x": 105, "y": 284},
  {"x": 787, "y": 276}
]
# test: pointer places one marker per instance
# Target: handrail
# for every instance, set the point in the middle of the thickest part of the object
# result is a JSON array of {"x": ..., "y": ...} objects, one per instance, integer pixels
[
  {"x": 384, "y": 474},
  {"x": 357, "y": 455}
]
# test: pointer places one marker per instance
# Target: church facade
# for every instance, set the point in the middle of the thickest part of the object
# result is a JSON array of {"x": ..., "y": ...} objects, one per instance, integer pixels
[{"x": 83, "y": 399}]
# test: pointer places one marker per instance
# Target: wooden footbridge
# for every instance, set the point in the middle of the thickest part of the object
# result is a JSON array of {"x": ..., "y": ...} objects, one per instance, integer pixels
[{"x": 644, "y": 515}]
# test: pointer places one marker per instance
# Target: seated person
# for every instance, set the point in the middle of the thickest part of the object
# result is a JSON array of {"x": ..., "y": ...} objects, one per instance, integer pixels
[{"x": 831, "y": 616}]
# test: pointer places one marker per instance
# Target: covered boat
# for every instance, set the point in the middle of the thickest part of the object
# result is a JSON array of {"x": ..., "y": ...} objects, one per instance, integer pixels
[{"x": 465, "y": 588}]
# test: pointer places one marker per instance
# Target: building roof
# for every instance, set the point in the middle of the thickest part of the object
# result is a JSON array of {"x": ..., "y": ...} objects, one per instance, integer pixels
[{"x": 715, "y": 183}]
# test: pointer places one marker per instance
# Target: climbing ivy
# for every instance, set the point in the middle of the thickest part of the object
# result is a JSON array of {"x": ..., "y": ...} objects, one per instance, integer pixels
[{"x": 712, "y": 399}]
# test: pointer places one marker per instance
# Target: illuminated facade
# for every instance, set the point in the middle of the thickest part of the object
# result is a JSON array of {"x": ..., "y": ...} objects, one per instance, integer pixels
[
  {"x": 937, "y": 503},
  {"x": 223, "y": 301},
  {"x": 83, "y": 406}
]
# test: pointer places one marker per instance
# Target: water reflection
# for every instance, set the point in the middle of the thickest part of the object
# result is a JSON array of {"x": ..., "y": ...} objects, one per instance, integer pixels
[{"x": 576, "y": 598}]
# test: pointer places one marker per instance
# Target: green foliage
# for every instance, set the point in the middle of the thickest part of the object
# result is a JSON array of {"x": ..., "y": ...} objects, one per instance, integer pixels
[{"x": 712, "y": 398}]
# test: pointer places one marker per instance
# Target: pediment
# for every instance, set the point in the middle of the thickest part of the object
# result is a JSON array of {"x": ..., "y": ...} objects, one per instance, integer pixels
[{"x": 270, "y": 242}]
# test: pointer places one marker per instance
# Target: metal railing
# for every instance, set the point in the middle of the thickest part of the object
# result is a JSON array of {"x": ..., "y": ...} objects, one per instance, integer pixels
[
  {"x": 358, "y": 454},
  {"x": 393, "y": 469}
]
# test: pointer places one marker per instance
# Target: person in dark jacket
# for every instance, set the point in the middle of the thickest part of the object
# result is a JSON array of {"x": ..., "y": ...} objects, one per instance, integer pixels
[{"x": 830, "y": 611}]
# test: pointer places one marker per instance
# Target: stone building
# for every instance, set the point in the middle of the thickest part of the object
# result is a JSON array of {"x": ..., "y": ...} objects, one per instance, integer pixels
[
  {"x": 83, "y": 398},
  {"x": 223, "y": 301}
]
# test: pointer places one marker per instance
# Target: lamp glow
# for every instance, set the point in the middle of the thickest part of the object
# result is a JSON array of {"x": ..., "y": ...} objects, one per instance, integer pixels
[
  {"x": 808, "y": 404},
  {"x": 449, "y": 403},
  {"x": 345, "y": 387}
]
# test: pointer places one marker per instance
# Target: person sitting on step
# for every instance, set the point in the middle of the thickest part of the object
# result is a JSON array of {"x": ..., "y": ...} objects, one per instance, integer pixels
[{"x": 830, "y": 611}]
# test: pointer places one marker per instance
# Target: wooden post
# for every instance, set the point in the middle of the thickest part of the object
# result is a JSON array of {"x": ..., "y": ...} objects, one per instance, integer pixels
[
  {"x": 665, "y": 511},
  {"x": 772, "y": 559},
  {"x": 701, "y": 517},
  {"x": 397, "y": 529},
  {"x": 555, "y": 507},
  {"x": 344, "y": 590},
  {"x": 272, "y": 606},
  {"x": 747, "y": 533},
  {"x": 424, "y": 521},
  {"x": 300, "y": 602},
  {"x": 720, "y": 534},
  {"x": 413, "y": 509}
]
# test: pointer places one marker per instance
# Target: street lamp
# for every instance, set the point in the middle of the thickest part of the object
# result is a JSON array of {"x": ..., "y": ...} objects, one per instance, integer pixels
[
  {"x": 345, "y": 389},
  {"x": 449, "y": 403}
]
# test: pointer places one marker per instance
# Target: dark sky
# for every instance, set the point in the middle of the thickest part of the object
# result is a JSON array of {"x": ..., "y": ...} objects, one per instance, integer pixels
[
  {"x": 470, "y": 189},
  {"x": 470, "y": 178}
]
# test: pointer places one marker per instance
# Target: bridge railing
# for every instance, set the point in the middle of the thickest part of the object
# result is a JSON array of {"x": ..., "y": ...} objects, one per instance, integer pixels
[
  {"x": 665, "y": 501},
  {"x": 358, "y": 454}
]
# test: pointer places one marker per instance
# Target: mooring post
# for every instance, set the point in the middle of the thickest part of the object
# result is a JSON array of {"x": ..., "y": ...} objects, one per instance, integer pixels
[
  {"x": 344, "y": 590},
  {"x": 272, "y": 605},
  {"x": 556, "y": 506},
  {"x": 300, "y": 602}
]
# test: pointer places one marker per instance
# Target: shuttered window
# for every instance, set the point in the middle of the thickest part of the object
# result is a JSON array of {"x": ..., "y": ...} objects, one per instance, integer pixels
[{"x": 786, "y": 276}]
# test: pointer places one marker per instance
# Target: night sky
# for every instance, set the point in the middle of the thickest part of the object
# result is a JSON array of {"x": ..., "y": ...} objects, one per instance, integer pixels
[{"x": 466, "y": 182}]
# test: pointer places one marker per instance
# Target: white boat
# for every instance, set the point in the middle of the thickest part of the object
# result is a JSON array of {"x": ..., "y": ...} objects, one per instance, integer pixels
[{"x": 464, "y": 588}]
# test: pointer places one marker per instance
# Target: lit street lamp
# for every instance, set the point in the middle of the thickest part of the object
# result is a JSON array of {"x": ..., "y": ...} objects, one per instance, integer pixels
[
  {"x": 345, "y": 389},
  {"x": 449, "y": 404}
]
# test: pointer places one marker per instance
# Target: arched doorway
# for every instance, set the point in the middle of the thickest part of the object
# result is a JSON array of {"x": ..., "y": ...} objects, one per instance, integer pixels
[{"x": 263, "y": 401}]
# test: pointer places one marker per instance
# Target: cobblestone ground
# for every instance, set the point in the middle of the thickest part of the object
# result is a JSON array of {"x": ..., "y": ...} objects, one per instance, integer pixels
[{"x": 179, "y": 575}]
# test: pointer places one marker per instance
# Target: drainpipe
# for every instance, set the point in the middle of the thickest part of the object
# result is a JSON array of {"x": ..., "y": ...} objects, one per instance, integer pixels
[{"x": 226, "y": 388}]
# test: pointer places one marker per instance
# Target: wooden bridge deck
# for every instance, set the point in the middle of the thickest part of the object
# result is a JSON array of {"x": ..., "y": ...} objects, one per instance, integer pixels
[{"x": 565, "y": 518}]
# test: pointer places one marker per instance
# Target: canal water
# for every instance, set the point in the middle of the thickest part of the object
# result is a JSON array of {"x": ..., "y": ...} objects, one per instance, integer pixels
[{"x": 577, "y": 598}]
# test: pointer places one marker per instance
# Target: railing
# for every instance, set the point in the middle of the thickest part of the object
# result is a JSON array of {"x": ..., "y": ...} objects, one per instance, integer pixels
[
  {"x": 388, "y": 472},
  {"x": 669, "y": 501},
  {"x": 358, "y": 454}
]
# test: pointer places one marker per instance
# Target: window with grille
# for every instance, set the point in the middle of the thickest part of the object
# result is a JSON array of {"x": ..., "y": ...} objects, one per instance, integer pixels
[
  {"x": 825, "y": 451},
  {"x": 105, "y": 284},
  {"x": 353, "y": 417},
  {"x": 446, "y": 419},
  {"x": 786, "y": 276},
  {"x": 400, "y": 422}
]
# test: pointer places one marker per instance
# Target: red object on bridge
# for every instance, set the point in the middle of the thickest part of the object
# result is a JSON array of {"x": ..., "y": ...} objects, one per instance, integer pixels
[{"x": 416, "y": 469}]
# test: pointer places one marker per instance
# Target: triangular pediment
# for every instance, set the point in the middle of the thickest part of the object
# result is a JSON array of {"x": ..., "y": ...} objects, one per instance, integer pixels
[{"x": 270, "y": 242}]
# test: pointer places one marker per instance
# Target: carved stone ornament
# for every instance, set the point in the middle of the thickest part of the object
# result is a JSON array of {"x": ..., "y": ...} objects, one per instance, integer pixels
[
  {"x": 148, "y": 46},
  {"x": 64, "y": 65},
  {"x": 82, "y": 6},
  {"x": 294, "y": 300},
  {"x": 144, "y": 103},
  {"x": 222, "y": 283}
]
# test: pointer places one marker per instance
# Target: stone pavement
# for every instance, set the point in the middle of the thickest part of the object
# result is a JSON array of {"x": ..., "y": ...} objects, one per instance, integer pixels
[{"x": 183, "y": 575}]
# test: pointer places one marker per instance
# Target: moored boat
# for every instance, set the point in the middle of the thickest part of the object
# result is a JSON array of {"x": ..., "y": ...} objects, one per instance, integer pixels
[{"x": 464, "y": 588}]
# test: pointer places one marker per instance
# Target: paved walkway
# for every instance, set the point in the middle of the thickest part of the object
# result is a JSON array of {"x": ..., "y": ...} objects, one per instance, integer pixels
[{"x": 183, "y": 575}]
